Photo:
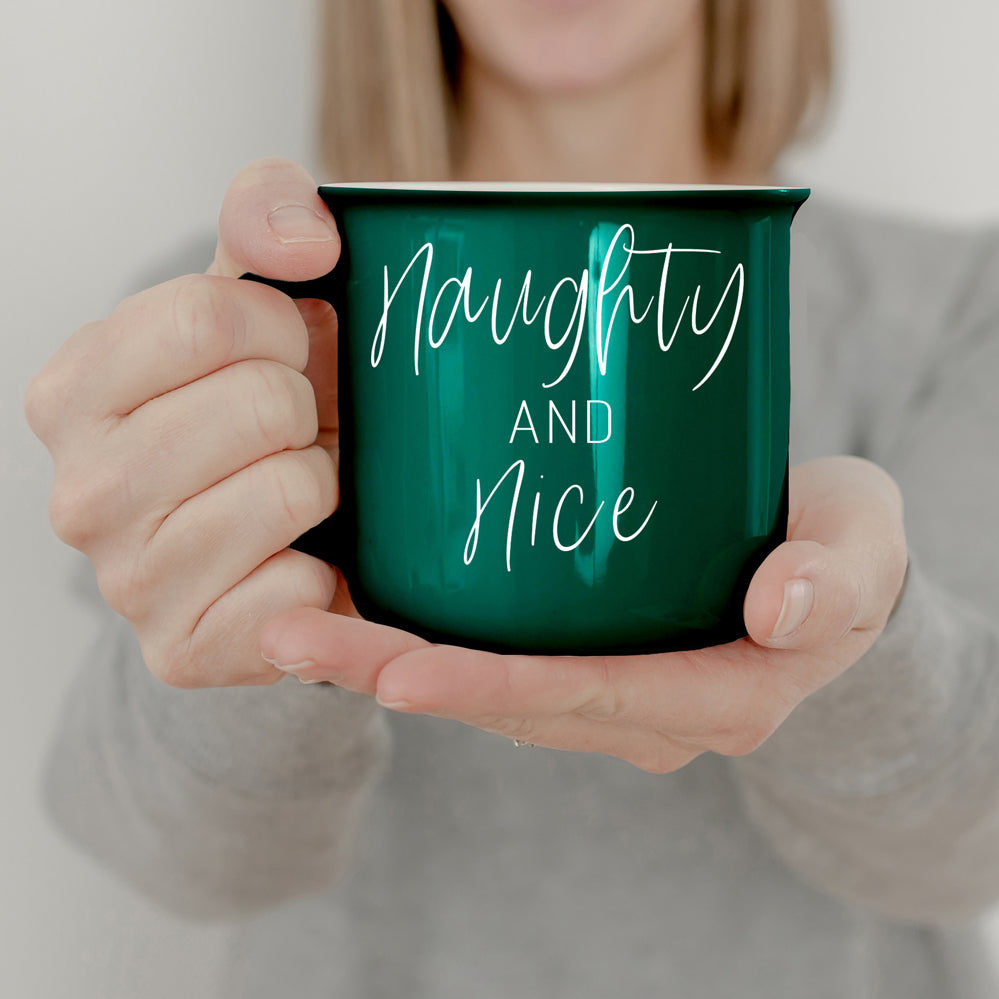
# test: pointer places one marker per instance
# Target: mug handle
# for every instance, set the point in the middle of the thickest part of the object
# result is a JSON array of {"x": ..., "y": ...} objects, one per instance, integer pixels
[{"x": 325, "y": 540}]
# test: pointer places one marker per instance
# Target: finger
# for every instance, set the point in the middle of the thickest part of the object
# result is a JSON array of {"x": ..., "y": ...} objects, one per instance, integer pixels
[
  {"x": 843, "y": 564},
  {"x": 354, "y": 653},
  {"x": 181, "y": 443},
  {"x": 221, "y": 648},
  {"x": 219, "y": 536},
  {"x": 842, "y": 499},
  {"x": 127, "y": 480},
  {"x": 174, "y": 334},
  {"x": 409, "y": 674},
  {"x": 56, "y": 386},
  {"x": 728, "y": 698},
  {"x": 273, "y": 223},
  {"x": 170, "y": 335},
  {"x": 346, "y": 650}
]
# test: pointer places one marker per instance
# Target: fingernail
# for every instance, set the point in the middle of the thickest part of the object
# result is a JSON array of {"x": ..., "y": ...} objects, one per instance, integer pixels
[
  {"x": 294, "y": 669},
  {"x": 298, "y": 224},
  {"x": 393, "y": 705},
  {"x": 799, "y": 595}
]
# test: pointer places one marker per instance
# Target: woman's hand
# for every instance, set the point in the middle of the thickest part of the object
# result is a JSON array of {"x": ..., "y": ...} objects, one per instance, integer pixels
[
  {"x": 814, "y": 607},
  {"x": 190, "y": 449}
]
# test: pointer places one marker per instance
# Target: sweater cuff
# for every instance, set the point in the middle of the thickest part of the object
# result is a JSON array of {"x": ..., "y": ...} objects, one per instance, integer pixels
[{"x": 288, "y": 739}]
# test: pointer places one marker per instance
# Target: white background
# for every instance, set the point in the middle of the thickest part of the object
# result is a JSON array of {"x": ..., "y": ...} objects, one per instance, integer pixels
[{"x": 122, "y": 124}]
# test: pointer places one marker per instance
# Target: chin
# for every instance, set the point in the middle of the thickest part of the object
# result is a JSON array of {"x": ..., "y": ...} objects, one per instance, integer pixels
[
  {"x": 571, "y": 45},
  {"x": 567, "y": 73}
]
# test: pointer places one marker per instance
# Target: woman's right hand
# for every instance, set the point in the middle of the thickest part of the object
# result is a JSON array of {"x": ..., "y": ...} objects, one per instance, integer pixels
[{"x": 193, "y": 434}]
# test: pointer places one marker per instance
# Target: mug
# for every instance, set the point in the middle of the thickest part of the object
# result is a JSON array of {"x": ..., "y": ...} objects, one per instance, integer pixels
[{"x": 563, "y": 409}]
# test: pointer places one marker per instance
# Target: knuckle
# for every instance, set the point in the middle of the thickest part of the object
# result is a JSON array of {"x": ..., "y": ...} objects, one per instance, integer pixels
[
  {"x": 283, "y": 407},
  {"x": 125, "y": 587},
  {"x": 41, "y": 402},
  {"x": 298, "y": 495},
  {"x": 52, "y": 389},
  {"x": 84, "y": 512},
  {"x": 196, "y": 654},
  {"x": 178, "y": 658},
  {"x": 87, "y": 500},
  {"x": 208, "y": 325},
  {"x": 116, "y": 591},
  {"x": 314, "y": 583},
  {"x": 284, "y": 314},
  {"x": 301, "y": 494},
  {"x": 76, "y": 510},
  {"x": 66, "y": 518},
  {"x": 175, "y": 667}
]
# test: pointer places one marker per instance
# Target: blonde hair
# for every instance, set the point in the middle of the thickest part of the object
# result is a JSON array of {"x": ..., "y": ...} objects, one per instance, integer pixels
[{"x": 389, "y": 70}]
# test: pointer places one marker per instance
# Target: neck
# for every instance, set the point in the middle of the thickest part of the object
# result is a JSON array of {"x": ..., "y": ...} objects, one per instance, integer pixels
[{"x": 644, "y": 128}]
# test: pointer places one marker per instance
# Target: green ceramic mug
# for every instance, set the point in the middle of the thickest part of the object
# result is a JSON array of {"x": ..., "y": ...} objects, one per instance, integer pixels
[{"x": 563, "y": 409}]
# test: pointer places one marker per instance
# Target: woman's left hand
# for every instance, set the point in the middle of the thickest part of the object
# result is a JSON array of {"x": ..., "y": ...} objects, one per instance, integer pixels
[{"x": 813, "y": 608}]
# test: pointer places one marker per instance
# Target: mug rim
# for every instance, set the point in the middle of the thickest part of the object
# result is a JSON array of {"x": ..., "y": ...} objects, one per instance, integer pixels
[{"x": 558, "y": 187}]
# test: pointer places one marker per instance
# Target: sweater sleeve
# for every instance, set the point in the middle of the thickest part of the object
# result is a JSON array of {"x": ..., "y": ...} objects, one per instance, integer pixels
[
  {"x": 883, "y": 787},
  {"x": 214, "y": 803}
]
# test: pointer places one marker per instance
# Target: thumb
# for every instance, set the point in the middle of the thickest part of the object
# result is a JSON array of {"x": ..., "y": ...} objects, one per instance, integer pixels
[
  {"x": 843, "y": 564},
  {"x": 273, "y": 223}
]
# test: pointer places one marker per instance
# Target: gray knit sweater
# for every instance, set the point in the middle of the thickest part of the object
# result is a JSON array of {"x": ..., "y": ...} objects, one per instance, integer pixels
[{"x": 362, "y": 855}]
